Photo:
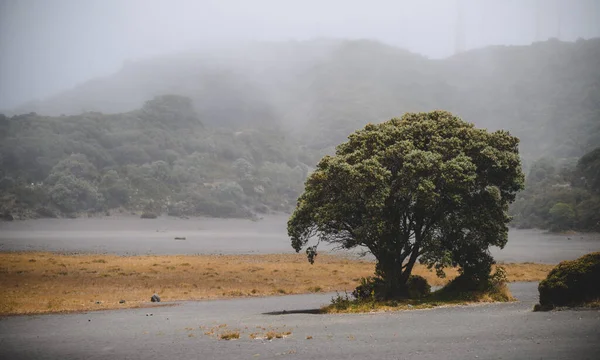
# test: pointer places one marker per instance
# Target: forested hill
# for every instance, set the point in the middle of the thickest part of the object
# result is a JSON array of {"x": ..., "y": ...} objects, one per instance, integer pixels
[
  {"x": 158, "y": 159},
  {"x": 234, "y": 131},
  {"x": 547, "y": 93}
]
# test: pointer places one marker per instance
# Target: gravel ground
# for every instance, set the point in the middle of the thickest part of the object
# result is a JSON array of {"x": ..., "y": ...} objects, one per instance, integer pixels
[
  {"x": 132, "y": 235},
  {"x": 491, "y": 331}
]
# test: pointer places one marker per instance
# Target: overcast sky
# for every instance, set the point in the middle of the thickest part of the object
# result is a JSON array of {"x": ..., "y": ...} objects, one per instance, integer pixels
[{"x": 51, "y": 45}]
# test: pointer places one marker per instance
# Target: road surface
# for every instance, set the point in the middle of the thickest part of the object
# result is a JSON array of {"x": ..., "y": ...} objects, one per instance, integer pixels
[{"x": 492, "y": 331}]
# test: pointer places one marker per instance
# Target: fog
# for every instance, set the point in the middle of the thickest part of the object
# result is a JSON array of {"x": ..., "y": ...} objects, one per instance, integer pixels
[{"x": 49, "y": 46}]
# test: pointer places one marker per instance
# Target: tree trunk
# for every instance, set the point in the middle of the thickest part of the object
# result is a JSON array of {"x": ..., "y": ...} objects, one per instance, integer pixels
[
  {"x": 394, "y": 283},
  {"x": 411, "y": 262}
]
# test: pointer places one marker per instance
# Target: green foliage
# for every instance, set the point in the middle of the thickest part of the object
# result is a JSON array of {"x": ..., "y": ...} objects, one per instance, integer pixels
[
  {"x": 374, "y": 288},
  {"x": 71, "y": 194},
  {"x": 341, "y": 302},
  {"x": 588, "y": 171},
  {"x": 463, "y": 288},
  {"x": 369, "y": 289},
  {"x": 562, "y": 216},
  {"x": 572, "y": 282},
  {"x": 253, "y": 103},
  {"x": 418, "y": 287},
  {"x": 148, "y": 215},
  {"x": 160, "y": 158},
  {"x": 425, "y": 185},
  {"x": 115, "y": 190},
  {"x": 559, "y": 196},
  {"x": 76, "y": 165}
]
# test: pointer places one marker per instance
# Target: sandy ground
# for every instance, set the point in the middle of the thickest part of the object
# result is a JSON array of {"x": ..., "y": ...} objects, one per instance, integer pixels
[
  {"x": 191, "y": 331},
  {"x": 132, "y": 235}
]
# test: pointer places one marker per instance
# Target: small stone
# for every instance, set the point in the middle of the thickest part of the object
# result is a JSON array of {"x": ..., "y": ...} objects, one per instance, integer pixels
[
  {"x": 155, "y": 298},
  {"x": 98, "y": 302},
  {"x": 121, "y": 301}
]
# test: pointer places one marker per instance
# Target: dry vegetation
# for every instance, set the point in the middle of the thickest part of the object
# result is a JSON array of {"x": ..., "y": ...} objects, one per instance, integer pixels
[
  {"x": 34, "y": 282},
  {"x": 229, "y": 335}
]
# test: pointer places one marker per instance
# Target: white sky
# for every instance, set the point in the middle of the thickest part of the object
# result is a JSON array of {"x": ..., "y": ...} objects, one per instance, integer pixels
[{"x": 50, "y": 45}]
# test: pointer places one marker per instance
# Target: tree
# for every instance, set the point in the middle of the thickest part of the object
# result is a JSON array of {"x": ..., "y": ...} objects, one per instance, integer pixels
[
  {"x": 588, "y": 168},
  {"x": 562, "y": 216},
  {"x": 114, "y": 189},
  {"x": 427, "y": 185},
  {"x": 76, "y": 165}
]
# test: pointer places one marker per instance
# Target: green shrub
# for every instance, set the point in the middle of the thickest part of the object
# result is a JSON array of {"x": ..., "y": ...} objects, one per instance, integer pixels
[
  {"x": 340, "y": 302},
  {"x": 46, "y": 212},
  {"x": 417, "y": 287},
  {"x": 149, "y": 215},
  {"x": 572, "y": 282},
  {"x": 367, "y": 288},
  {"x": 372, "y": 288}
]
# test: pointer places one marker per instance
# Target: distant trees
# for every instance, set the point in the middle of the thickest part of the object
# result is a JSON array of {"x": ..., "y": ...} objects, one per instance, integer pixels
[
  {"x": 239, "y": 110},
  {"x": 115, "y": 190},
  {"x": 587, "y": 172},
  {"x": 562, "y": 217},
  {"x": 560, "y": 195},
  {"x": 427, "y": 186},
  {"x": 71, "y": 185},
  {"x": 159, "y": 158}
]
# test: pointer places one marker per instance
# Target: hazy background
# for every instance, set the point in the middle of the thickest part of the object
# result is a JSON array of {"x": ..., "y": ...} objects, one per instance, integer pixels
[{"x": 49, "y": 46}]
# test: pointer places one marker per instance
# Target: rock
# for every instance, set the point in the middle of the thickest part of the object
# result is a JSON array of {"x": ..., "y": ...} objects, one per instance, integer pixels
[
  {"x": 155, "y": 298},
  {"x": 121, "y": 301},
  {"x": 98, "y": 302},
  {"x": 180, "y": 238},
  {"x": 8, "y": 217}
]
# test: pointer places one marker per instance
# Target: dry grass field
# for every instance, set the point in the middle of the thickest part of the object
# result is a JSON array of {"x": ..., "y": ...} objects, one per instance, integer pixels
[{"x": 35, "y": 282}]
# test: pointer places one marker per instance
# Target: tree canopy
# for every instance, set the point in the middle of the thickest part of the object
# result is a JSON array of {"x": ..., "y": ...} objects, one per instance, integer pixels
[
  {"x": 283, "y": 105},
  {"x": 161, "y": 158},
  {"x": 427, "y": 185},
  {"x": 561, "y": 195}
]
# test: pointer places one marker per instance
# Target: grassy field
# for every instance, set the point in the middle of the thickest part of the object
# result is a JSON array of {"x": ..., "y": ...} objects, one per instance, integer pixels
[{"x": 34, "y": 282}]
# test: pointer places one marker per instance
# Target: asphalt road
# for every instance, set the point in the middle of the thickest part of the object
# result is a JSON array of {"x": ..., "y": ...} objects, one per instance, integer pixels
[{"x": 492, "y": 331}]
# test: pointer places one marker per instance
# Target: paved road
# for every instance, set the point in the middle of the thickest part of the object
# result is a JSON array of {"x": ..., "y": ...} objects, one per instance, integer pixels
[{"x": 496, "y": 331}]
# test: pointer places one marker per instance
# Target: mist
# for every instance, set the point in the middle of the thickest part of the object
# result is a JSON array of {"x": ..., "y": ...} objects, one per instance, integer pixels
[{"x": 50, "y": 46}]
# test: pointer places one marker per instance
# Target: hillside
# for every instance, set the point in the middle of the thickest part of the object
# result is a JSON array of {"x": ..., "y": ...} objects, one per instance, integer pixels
[
  {"x": 547, "y": 93},
  {"x": 561, "y": 195},
  {"x": 158, "y": 159},
  {"x": 286, "y": 104}
]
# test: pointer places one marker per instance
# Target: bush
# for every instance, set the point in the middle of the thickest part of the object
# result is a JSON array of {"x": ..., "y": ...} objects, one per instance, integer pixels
[
  {"x": 572, "y": 282},
  {"x": 372, "y": 288},
  {"x": 367, "y": 289},
  {"x": 149, "y": 215},
  {"x": 418, "y": 287},
  {"x": 46, "y": 212}
]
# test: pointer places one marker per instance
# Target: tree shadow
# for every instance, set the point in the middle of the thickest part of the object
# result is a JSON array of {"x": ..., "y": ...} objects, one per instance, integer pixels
[{"x": 303, "y": 311}]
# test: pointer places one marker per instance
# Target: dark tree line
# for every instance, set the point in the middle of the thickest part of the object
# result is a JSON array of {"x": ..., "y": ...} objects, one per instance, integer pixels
[
  {"x": 561, "y": 194},
  {"x": 160, "y": 158}
]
